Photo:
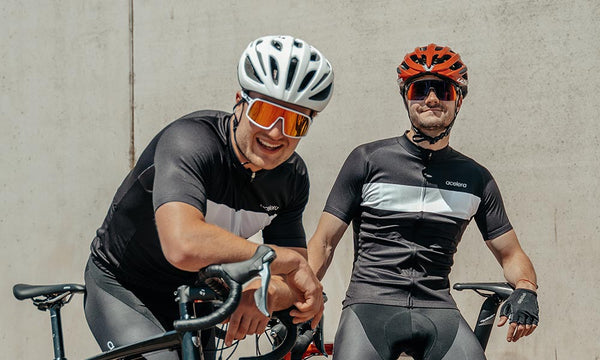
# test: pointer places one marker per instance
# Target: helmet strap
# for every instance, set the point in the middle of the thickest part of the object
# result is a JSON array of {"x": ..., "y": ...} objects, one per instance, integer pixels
[
  {"x": 236, "y": 122},
  {"x": 419, "y": 136}
]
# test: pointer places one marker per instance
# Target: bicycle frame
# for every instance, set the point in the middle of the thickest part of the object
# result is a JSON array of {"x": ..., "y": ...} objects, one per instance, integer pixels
[{"x": 171, "y": 339}]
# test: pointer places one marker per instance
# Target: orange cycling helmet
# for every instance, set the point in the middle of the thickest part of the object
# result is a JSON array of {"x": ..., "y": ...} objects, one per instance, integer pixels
[{"x": 436, "y": 60}]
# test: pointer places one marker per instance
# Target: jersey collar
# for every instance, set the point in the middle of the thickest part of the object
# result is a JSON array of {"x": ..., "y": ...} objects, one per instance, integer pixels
[{"x": 423, "y": 153}]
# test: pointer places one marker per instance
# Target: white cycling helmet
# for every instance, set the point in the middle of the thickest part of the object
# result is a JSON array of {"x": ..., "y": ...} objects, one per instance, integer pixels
[{"x": 287, "y": 69}]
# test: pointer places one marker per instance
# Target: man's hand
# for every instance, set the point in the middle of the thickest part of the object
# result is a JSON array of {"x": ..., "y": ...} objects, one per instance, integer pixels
[
  {"x": 521, "y": 311},
  {"x": 247, "y": 319},
  {"x": 309, "y": 303}
]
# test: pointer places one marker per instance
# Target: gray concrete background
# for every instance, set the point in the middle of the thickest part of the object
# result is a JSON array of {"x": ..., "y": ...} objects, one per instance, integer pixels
[{"x": 68, "y": 108}]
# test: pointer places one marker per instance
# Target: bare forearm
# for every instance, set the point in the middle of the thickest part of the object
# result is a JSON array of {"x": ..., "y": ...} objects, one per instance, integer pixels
[
  {"x": 190, "y": 243},
  {"x": 319, "y": 256},
  {"x": 518, "y": 268},
  {"x": 323, "y": 243},
  {"x": 519, "y": 271}
]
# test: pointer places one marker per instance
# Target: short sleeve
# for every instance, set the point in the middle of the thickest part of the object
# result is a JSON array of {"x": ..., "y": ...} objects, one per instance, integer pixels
[
  {"x": 491, "y": 217},
  {"x": 346, "y": 194},
  {"x": 182, "y": 165}
]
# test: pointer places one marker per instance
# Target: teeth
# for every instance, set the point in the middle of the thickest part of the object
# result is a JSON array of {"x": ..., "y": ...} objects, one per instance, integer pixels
[{"x": 270, "y": 146}]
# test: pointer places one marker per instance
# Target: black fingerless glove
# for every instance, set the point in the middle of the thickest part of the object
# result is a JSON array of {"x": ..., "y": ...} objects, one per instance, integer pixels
[{"x": 521, "y": 307}]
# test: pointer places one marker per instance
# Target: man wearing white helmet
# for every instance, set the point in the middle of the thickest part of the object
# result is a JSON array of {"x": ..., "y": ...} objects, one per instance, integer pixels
[{"x": 202, "y": 187}]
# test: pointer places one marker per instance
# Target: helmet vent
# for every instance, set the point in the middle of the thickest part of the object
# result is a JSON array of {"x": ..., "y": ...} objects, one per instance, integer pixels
[
  {"x": 277, "y": 45},
  {"x": 274, "y": 70},
  {"x": 320, "y": 80},
  {"x": 314, "y": 57},
  {"x": 444, "y": 59},
  {"x": 322, "y": 95},
  {"x": 306, "y": 80},
  {"x": 456, "y": 65},
  {"x": 297, "y": 44},
  {"x": 291, "y": 72},
  {"x": 250, "y": 71}
]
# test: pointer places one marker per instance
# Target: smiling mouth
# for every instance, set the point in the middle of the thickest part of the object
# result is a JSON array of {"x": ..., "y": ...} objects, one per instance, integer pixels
[{"x": 266, "y": 145}]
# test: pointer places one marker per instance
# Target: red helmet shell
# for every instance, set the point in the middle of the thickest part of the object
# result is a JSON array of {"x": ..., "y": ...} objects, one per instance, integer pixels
[{"x": 436, "y": 60}]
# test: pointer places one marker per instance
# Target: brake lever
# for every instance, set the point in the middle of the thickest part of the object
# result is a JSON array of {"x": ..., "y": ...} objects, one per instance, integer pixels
[
  {"x": 259, "y": 264},
  {"x": 260, "y": 295},
  {"x": 318, "y": 338}
]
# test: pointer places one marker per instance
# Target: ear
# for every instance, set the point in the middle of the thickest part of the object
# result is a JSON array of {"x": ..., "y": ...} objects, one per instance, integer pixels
[{"x": 238, "y": 96}]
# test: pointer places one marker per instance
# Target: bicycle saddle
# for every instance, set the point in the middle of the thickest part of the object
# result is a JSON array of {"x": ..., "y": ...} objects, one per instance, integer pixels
[
  {"x": 502, "y": 289},
  {"x": 25, "y": 291}
]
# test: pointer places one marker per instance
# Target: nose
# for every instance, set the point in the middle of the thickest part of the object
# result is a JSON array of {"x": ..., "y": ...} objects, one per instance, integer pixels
[
  {"x": 432, "y": 97},
  {"x": 276, "y": 130}
]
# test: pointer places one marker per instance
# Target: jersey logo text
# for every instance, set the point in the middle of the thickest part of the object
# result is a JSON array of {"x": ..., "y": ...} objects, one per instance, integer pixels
[{"x": 456, "y": 183}]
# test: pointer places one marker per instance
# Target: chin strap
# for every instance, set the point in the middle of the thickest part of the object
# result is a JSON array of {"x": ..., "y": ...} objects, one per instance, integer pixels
[{"x": 420, "y": 137}]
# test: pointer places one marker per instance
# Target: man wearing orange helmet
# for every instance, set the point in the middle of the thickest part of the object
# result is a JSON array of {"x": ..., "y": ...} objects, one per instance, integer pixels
[{"x": 410, "y": 199}]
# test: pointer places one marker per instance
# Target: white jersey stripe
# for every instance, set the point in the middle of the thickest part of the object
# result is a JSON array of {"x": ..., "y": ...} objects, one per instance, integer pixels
[
  {"x": 405, "y": 198},
  {"x": 243, "y": 223}
]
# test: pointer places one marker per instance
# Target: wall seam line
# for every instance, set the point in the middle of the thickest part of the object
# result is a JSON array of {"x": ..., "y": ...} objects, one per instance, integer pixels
[{"x": 131, "y": 90}]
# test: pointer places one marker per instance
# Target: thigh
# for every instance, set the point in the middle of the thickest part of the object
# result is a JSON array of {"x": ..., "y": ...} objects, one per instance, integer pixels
[
  {"x": 351, "y": 340},
  {"x": 453, "y": 338},
  {"x": 117, "y": 317}
]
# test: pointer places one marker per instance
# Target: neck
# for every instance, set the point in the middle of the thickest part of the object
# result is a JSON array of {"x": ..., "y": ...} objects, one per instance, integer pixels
[
  {"x": 243, "y": 160},
  {"x": 438, "y": 145}
]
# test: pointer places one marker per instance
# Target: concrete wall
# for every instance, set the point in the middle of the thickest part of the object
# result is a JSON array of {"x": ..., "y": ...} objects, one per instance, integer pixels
[{"x": 68, "y": 108}]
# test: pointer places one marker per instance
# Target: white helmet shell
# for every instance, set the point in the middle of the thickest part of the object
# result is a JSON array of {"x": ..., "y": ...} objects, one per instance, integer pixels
[{"x": 287, "y": 69}]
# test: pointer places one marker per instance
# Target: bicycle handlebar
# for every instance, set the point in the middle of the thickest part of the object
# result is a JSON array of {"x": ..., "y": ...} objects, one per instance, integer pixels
[
  {"x": 305, "y": 337},
  {"x": 234, "y": 275}
]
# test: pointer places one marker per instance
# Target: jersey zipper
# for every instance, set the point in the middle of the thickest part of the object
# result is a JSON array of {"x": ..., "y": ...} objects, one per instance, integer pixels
[
  {"x": 252, "y": 176},
  {"x": 426, "y": 161},
  {"x": 424, "y": 187},
  {"x": 410, "y": 291},
  {"x": 423, "y": 194}
]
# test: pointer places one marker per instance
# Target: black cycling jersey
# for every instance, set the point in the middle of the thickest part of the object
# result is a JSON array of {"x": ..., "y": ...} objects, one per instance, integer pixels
[
  {"x": 192, "y": 161},
  {"x": 409, "y": 208}
]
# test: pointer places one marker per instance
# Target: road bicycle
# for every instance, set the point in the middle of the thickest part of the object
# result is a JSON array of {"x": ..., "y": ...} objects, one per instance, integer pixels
[
  {"x": 289, "y": 341},
  {"x": 184, "y": 336}
]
